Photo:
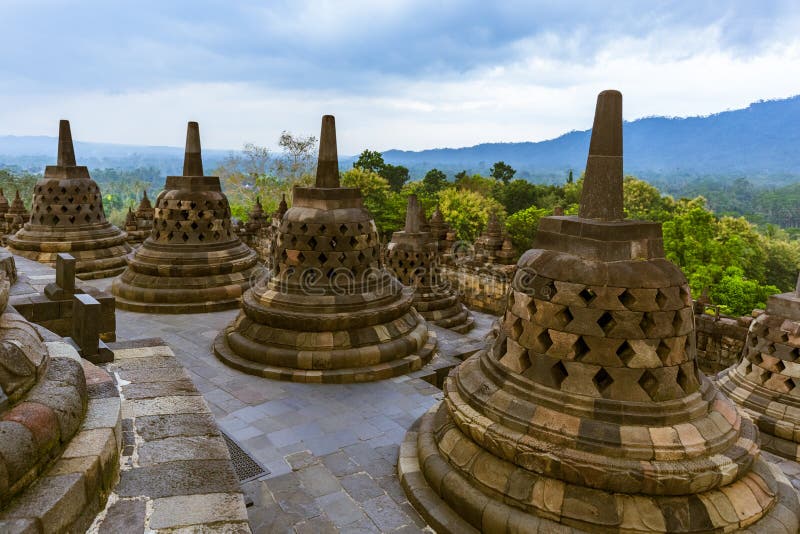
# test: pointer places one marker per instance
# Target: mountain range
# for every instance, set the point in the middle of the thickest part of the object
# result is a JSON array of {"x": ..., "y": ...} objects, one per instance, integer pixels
[{"x": 760, "y": 142}]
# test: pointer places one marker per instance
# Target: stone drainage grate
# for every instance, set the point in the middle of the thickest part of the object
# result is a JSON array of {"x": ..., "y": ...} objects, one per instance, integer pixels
[{"x": 246, "y": 467}]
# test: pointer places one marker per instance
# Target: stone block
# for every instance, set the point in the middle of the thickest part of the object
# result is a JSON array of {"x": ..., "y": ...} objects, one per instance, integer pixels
[{"x": 191, "y": 510}]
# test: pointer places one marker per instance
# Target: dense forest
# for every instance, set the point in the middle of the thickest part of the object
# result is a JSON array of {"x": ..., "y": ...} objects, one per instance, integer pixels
[{"x": 727, "y": 237}]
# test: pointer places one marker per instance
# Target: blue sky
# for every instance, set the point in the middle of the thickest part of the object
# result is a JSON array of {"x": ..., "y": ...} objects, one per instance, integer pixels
[{"x": 397, "y": 74}]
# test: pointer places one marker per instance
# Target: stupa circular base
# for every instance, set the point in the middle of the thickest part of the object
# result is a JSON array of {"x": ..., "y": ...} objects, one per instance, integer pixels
[
  {"x": 444, "y": 311},
  {"x": 778, "y": 436},
  {"x": 88, "y": 265},
  {"x": 175, "y": 301},
  {"x": 452, "y": 502},
  {"x": 368, "y": 373}
]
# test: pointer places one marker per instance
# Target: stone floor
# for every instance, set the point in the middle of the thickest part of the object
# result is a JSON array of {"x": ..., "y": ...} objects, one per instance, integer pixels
[{"x": 331, "y": 449}]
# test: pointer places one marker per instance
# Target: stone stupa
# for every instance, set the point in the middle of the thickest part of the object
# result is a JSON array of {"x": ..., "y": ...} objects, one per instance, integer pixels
[
  {"x": 766, "y": 382},
  {"x": 139, "y": 223},
  {"x": 329, "y": 312},
  {"x": 192, "y": 262},
  {"x": 412, "y": 258},
  {"x": 588, "y": 413},
  {"x": 67, "y": 216}
]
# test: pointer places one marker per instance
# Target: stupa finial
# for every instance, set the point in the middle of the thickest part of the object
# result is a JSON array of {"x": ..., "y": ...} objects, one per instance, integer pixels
[
  {"x": 328, "y": 162},
  {"x": 66, "y": 151},
  {"x": 412, "y": 216},
  {"x": 193, "y": 160},
  {"x": 602, "y": 186}
]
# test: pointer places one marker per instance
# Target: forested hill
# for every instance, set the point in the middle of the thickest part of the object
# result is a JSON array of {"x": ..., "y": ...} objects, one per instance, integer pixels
[{"x": 761, "y": 142}]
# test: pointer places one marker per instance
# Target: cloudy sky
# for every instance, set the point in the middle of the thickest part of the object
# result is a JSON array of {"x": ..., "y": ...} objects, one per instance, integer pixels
[{"x": 397, "y": 74}]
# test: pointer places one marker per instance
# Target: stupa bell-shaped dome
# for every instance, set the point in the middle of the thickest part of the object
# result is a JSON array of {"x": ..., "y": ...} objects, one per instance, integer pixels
[
  {"x": 67, "y": 216},
  {"x": 766, "y": 382},
  {"x": 588, "y": 413},
  {"x": 329, "y": 312},
  {"x": 193, "y": 261},
  {"x": 412, "y": 257}
]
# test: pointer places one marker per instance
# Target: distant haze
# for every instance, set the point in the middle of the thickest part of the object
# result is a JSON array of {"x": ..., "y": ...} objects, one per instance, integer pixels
[{"x": 761, "y": 142}]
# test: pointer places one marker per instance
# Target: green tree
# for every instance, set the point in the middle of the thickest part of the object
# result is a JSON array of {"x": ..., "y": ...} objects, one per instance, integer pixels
[
  {"x": 522, "y": 225},
  {"x": 396, "y": 175},
  {"x": 370, "y": 160},
  {"x": 502, "y": 172},
  {"x": 570, "y": 178},
  {"x": 738, "y": 295},
  {"x": 467, "y": 211},
  {"x": 386, "y": 207},
  {"x": 476, "y": 183},
  {"x": 644, "y": 202},
  {"x": 434, "y": 181}
]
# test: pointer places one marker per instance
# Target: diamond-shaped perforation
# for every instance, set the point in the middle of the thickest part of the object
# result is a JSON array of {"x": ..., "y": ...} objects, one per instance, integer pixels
[
  {"x": 606, "y": 322},
  {"x": 564, "y": 317},
  {"x": 580, "y": 349},
  {"x": 661, "y": 299},
  {"x": 663, "y": 351},
  {"x": 625, "y": 352},
  {"x": 647, "y": 323},
  {"x": 677, "y": 322},
  {"x": 684, "y": 380},
  {"x": 626, "y": 298},
  {"x": 602, "y": 381},
  {"x": 543, "y": 341},
  {"x": 558, "y": 373},
  {"x": 312, "y": 242},
  {"x": 587, "y": 295},
  {"x": 649, "y": 383}
]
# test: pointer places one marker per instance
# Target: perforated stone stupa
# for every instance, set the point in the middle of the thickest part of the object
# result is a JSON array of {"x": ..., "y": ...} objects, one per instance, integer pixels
[
  {"x": 766, "y": 382},
  {"x": 67, "y": 216},
  {"x": 412, "y": 258},
  {"x": 588, "y": 413},
  {"x": 329, "y": 312},
  {"x": 192, "y": 261},
  {"x": 139, "y": 223}
]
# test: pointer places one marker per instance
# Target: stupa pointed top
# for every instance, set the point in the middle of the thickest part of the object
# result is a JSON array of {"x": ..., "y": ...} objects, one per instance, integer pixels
[
  {"x": 145, "y": 202},
  {"x": 66, "y": 151},
  {"x": 412, "y": 216},
  {"x": 601, "y": 197},
  {"x": 328, "y": 162},
  {"x": 193, "y": 160}
]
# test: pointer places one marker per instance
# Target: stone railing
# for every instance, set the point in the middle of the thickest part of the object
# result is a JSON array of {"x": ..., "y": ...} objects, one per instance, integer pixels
[
  {"x": 720, "y": 340},
  {"x": 482, "y": 287}
]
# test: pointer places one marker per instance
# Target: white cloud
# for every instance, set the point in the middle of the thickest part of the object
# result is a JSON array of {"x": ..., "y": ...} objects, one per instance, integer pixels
[{"x": 543, "y": 87}]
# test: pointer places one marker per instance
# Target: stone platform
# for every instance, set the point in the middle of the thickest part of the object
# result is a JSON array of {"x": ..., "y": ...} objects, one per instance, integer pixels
[{"x": 331, "y": 449}]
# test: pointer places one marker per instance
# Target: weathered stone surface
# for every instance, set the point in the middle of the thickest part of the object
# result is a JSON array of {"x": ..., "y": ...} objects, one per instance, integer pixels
[
  {"x": 125, "y": 515},
  {"x": 765, "y": 382},
  {"x": 187, "y": 510},
  {"x": 412, "y": 258},
  {"x": 588, "y": 412},
  {"x": 193, "y": 261},
  {"x": 329, "y": 313},
  {"x": 182, "y": 448},
  {"x": 157, "y": 427},
  {"x": 68, "y": 216}
]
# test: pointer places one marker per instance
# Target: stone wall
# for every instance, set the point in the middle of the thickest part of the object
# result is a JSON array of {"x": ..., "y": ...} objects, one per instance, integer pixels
[
  {"x": 482, "y": 287},
  {"x": 720, "y": 341}
]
